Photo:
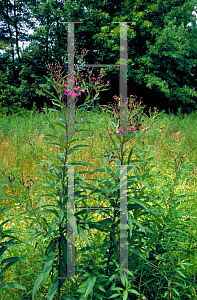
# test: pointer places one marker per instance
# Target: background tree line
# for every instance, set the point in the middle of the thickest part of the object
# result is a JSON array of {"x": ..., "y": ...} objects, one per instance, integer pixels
[{"x": 162, "y": 48}]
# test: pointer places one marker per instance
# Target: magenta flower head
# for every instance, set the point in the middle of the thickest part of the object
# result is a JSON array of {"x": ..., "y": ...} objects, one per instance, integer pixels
[
  {"x": 120, "y": 130},
  {"x": 110, "y": 132},
  {"x": 132, "y": 128}
]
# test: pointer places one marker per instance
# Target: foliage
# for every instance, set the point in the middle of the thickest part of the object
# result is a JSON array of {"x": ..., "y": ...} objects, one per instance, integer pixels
[
  {"x": 5, "y": 244},
  {"x": 160, "y": 51}
]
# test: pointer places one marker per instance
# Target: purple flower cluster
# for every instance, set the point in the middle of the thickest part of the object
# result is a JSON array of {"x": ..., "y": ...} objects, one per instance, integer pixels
[{"x": 71, "y": 93}]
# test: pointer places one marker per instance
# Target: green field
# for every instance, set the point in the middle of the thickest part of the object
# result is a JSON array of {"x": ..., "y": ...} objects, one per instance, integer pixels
[{"x": 164, "y": 212}]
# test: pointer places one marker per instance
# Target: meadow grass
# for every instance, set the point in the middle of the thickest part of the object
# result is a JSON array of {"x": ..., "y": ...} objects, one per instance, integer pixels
[{"x": 22, "y": 147}]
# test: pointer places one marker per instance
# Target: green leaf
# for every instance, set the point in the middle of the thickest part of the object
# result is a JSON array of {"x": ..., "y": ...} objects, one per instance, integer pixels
[
  {"x": 14, "y": 231},
  {"x": 76, "y": 147},
  {"x": 61, "y": 212},
  {"x": 2, "y": 250},
  {"x": 49, "y": 183},
  {"x": 5, "y": 209},
  {"x": 104, "y": 225},
  {"x": 141, "y": 226},
  {"x": 51, "y": 227},
  {"x": 61, "y": 157},
  {"x": 83, "y": 235},
  {"x": 125, "y": 295},
  {"x": 111, "y": 278},
  {"x": 104, "y": 246},
  {"x": 63, "y": 242},
  {"x": 133, "y": 292},
  {"x": 176, "y": 292},
  {"x": 114, "y": 295},
  {"x": 50, "y": 135},
  {"x": 81, "y": 288},
  {"x": 166, "y": 293},
  {"x": 180, "y": 284},
  {"x": 57, "y": 170},
  {"x": 89, "y": 286},
  {"x": 117, "y": 288},
  {"x": 58, "y": 145},
  {"x": 136, "y": 252},
  {"x": 6, "y": 268},
  {"x": 2, "y": 224},
  {"x": 49, "y": 211},
  {"x": 37, "y": 283},
  {"x": 99, "y": 296},
  {"x": 139, "y": 202},
  {"x": 63, "y": 271},
  {"x": 13, "y": 259},
  {"x": 53, "y": 289},
  {"x": 130, "y": 154},
  {"x": 43, "y": 276},
  {"x": 178, "y": 271},
  {"x": 13, "y": 285},
  {"x": 101, "y": 288},
  {"x": 59, "y": 123},
  {"x": 51, "y": 247}
]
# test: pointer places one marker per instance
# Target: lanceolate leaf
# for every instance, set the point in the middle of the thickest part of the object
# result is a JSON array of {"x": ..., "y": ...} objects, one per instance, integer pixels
[
  {"x": 51, "y": 211},
  {"x": 102, "y": 225},
  {"x": 6, "y": 268},
  {"x": 136, "y": 252},
  {"x": 53, "y": 289},
  {"x": 37, "y": 283},
  {"x": 51, "y": 246},
  {"x": 58, "y": 145},
  {"x": 51, "y": 227},
  {"x": 13, "y": 259},
  {"x": 89, "y": 286},
  {"x": 4, "y": 209},
  {"x": 83, "y": 235},
  {"x": 13, "y": 285},
  {"x": 141, "y": 226},
  {"x": 2, "y": 250},
  {"x": 76, "y": 147},
  {"x": 43, "y": 276},
  {"x": 130, "y": 154}
]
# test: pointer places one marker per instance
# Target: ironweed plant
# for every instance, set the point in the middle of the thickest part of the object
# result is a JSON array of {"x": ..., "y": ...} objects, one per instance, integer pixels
[
  {"x": 64, "y": 88},
  {"x": 152, "y": 233}
]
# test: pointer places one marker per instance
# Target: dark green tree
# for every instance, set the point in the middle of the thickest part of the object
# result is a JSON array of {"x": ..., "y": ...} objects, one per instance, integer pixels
[
  {"x": 161, "y": 46},
  {"x": 161, "y": 51}
]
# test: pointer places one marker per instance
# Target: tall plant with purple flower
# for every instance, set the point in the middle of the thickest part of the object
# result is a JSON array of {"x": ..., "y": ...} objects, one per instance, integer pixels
[{"x": 64, "y": 87}]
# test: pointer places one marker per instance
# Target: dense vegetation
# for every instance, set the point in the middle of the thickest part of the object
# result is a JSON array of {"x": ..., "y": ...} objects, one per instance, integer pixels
[
  {"x": 162, "y": 48},
  {"x": 161, "y": 203}
]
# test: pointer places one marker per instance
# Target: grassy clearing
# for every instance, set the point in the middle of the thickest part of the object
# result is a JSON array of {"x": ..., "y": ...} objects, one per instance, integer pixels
[{"x": 22, "y": 147}]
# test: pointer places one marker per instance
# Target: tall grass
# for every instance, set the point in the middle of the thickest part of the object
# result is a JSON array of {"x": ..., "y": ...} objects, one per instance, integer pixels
[{"x": 170, "y": 145}]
